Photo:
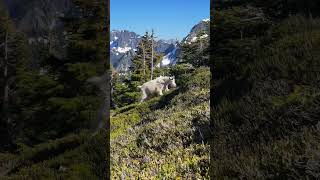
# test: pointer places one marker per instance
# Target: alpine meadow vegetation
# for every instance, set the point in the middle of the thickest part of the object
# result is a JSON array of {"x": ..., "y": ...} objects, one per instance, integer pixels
[
  {"x": 265, "y": 103},
  {"x": 165, "y": 137}
]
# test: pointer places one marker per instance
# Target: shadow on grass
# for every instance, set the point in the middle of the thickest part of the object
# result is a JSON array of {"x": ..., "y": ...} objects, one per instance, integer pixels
[{"x": 165, "y": 100}]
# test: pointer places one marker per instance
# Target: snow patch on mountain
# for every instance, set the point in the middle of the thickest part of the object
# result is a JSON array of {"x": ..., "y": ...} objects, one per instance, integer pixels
[
  {"x": 206, "y": 20},
  {"x": 124, "y": 45},
  {"x": 204, "y": 36},
  {"x": 170, "y": 58},
  {"x": 201, "y": 27},
  {"x": 166, "y": 61},
  {"x": 123, "y": 50}
]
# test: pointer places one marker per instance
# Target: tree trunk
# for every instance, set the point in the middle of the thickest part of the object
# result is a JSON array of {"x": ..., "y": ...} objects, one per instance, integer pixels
[
  {"x": 152, "y": 55},
  {"x": 5, "y": 75},
  {"x": 144, "y": 61},
  {"x": 201, "y": 51}
]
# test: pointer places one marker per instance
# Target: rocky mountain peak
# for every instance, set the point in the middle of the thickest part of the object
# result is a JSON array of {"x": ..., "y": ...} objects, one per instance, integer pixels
[
  {"x": 38, "y": 17},
  {"x": 202, "y": 27},
  {"x": 41, "y": 21}
]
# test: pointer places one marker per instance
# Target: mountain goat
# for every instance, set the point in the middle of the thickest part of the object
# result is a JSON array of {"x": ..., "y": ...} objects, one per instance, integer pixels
[{"x": 156, "y": 86}]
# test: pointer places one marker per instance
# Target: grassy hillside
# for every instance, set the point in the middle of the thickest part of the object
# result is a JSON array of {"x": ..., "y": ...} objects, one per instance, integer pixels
[
  {"x": 77, "y": 156},
  {"x": 265, "y": 114},
  {"x": 165, "y": 137}
]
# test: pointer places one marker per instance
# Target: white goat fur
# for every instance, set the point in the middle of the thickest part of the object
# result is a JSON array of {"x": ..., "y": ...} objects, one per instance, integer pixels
[{"x": 156, "y": 86}]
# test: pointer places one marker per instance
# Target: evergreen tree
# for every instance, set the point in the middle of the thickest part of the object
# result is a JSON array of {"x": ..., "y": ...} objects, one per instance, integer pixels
[
  {"x": 142, "y": 63},
  {"x": 61, "y": 100},
  {"x": 196, "y": 53},
  {"x": 51, "y": 106},
  {"x": 86, "y": 56},
  {"x": 140, "y": 67},
  {"x": 152, "y": 54},
  {"x": 125, "y": 88},
  {"x": 13, "y": 56},
  {"x": 265, "y": 91}
]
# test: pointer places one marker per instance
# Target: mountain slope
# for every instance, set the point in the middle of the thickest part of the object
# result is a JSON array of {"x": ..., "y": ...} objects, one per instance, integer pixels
[
  {"x": 198, "y": 32},
  {"x": 171, "y": 55},
  {"x": 41, "y": 21},
  {"x": 71, "y": 157},
  {"x": 165, "y": 137},
  {"x": 266, "y": 101},
  {"x": 123, "y": 46},
  {"x": 202, "y": 27}
]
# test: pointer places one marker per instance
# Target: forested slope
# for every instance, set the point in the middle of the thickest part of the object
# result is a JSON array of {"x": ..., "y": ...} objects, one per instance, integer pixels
[
  {"x": 265, "y": 103},
  {"x": 49, "y": 111}
]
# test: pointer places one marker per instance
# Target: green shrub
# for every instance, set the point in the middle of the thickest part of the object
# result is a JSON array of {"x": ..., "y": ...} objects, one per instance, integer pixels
[{"x": 265, "y": 116}]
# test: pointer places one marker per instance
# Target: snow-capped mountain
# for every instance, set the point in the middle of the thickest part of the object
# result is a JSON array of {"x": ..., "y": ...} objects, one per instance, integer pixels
[
  {"x": 37, "y": 18},
  {"x": 202, "y": 27},
  {"x": 162, "y": 46},
  {"x": 171, "y": 55},
  {"x": 123, "y": 46},
  {"x": 124, "y": 40},
  {"x": 171, "y": 51},
  {"x": 40, "y": 21}
]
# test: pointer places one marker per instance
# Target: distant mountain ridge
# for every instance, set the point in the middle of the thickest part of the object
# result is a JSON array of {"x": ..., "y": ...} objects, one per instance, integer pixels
[
  {"x": 37, "y": 17},
  {"x": 123, "y": 44},
  {"x": 40, "y": 21},
  {"x": 122, "y": 48}
]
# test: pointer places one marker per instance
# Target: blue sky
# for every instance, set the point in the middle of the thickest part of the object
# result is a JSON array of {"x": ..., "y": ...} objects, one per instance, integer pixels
[{"x": 170, "y": 19}]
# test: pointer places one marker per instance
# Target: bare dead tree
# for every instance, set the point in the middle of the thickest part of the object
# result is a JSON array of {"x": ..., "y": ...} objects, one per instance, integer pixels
[
  {"x": 144, "y": 59},
  {"x": 5, "y": 76},
  {"x": 152, "y": 54}
]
